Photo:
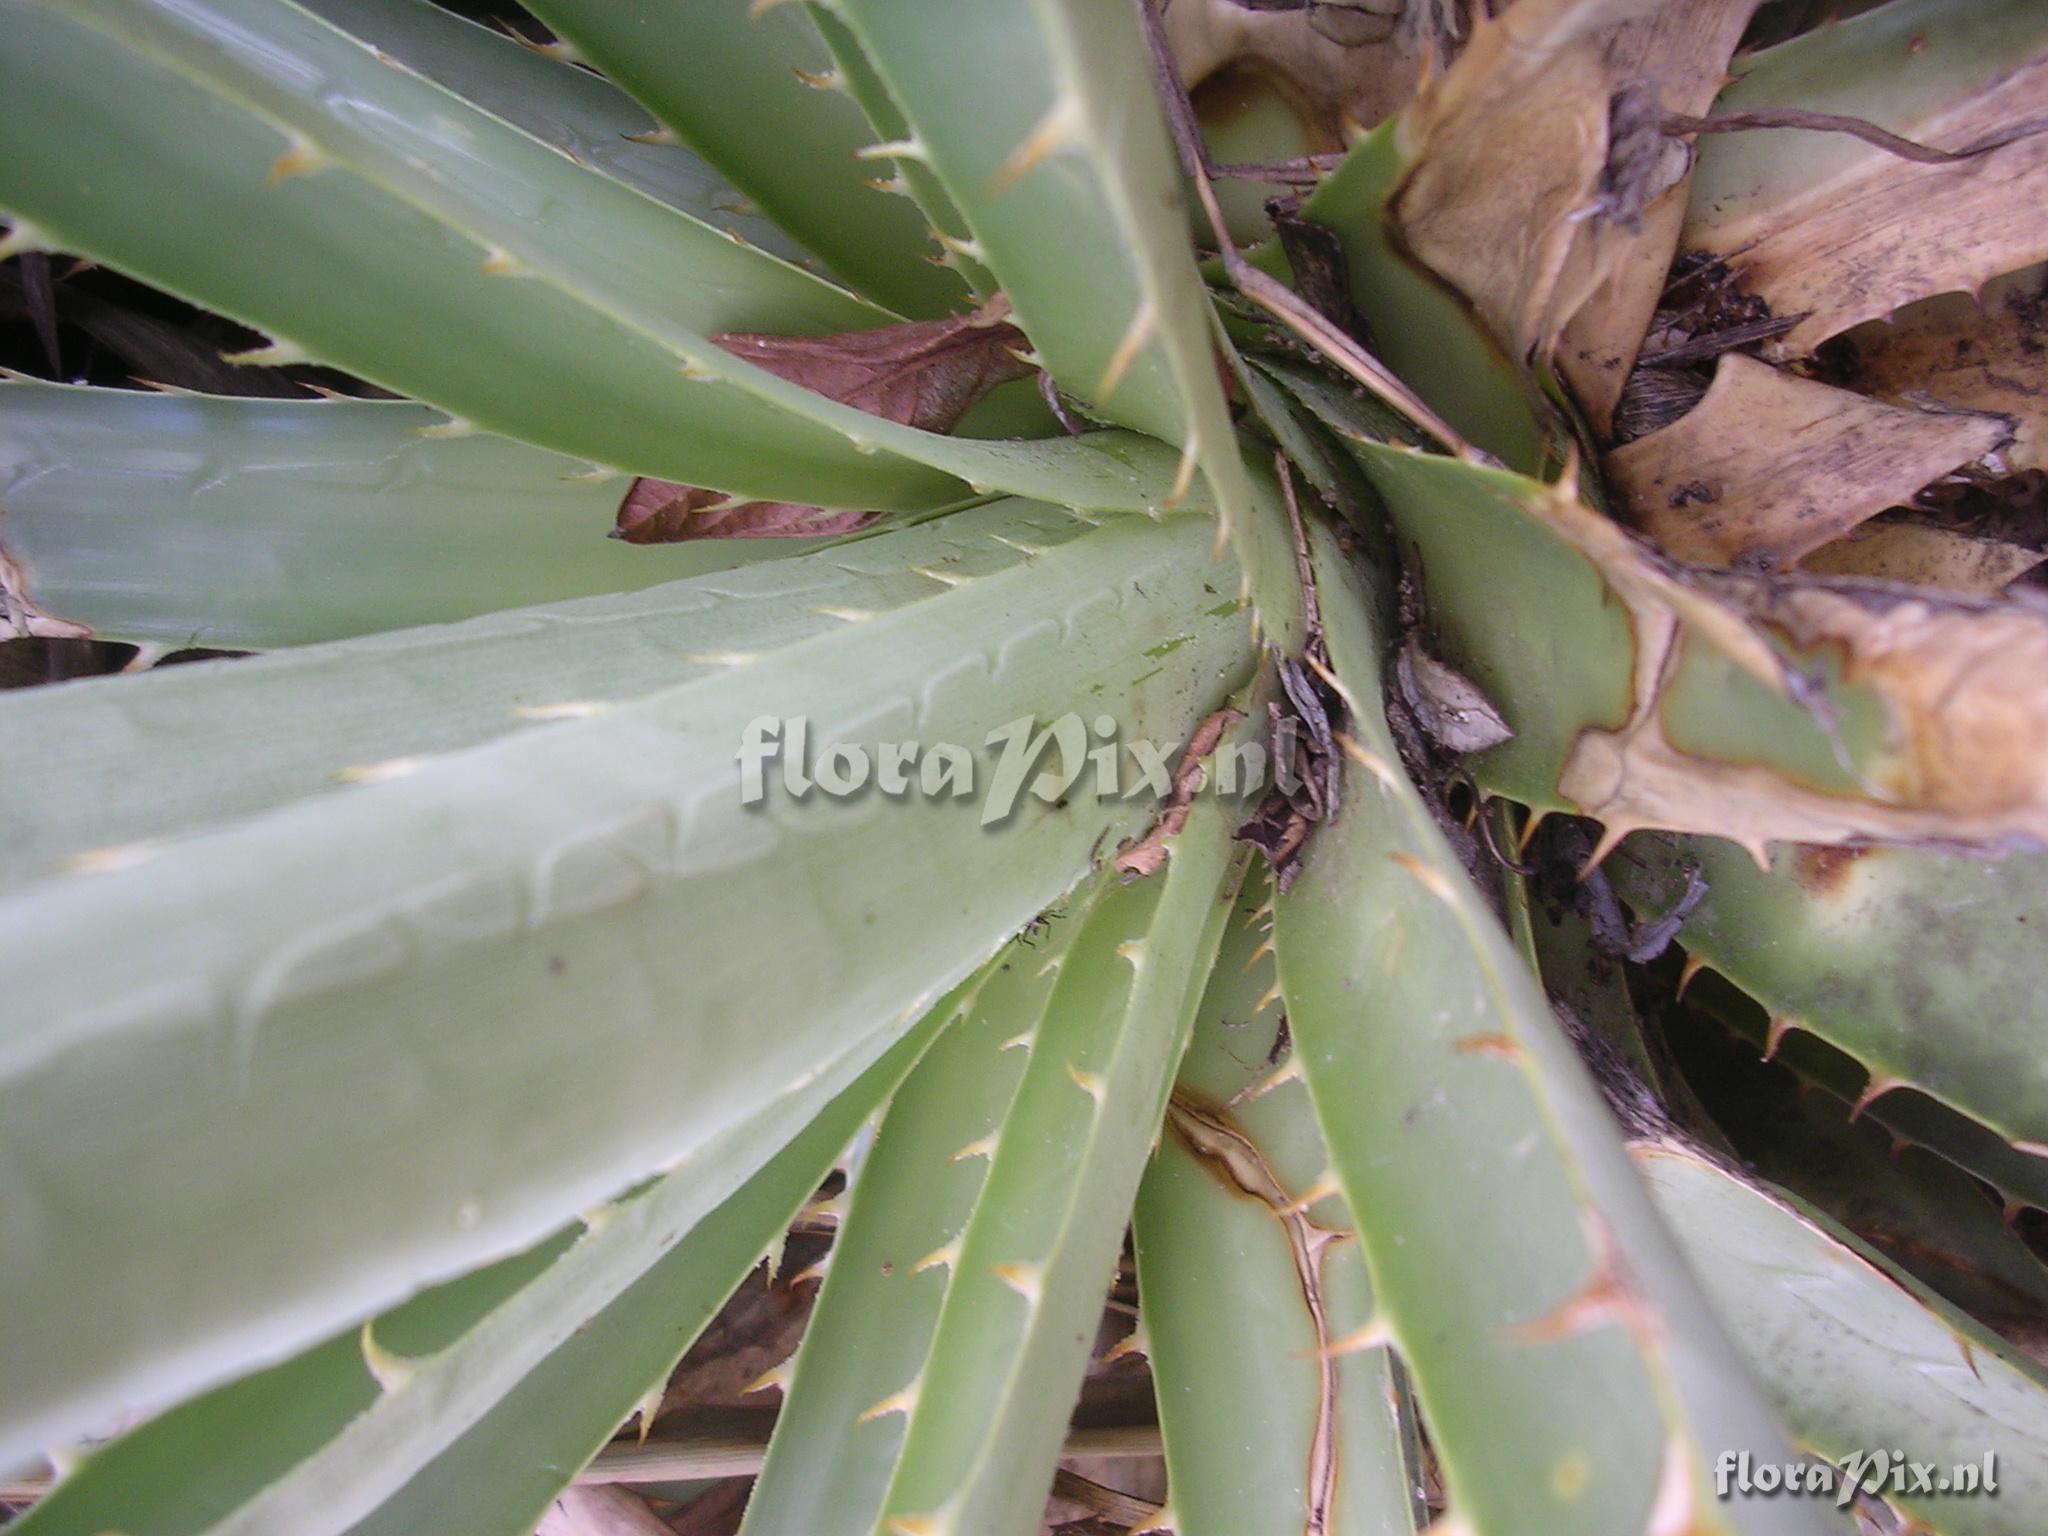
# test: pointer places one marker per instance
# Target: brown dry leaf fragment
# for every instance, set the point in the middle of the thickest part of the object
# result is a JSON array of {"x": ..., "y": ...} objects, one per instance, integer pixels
[
  {"x": 1839, "y": 231},
  {"x": 662, "y": 512},
  {"x": 1147, "y": 856},
  {"x": 925, "y": 374},
  {"x": 1925, "y": 555},
  {"x": 1963, "y": 684},
  {"x": 1354, "y": 61},
  {"x": 1536, "y": 158},
  {"x": 1981, "y": 355},
  {"x": 1686, "y": 49},
  {"x": 1769, "y": 467}
]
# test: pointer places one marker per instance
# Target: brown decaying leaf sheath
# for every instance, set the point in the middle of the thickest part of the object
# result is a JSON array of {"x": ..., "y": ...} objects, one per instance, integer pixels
[{"x": 925, "y": 374}]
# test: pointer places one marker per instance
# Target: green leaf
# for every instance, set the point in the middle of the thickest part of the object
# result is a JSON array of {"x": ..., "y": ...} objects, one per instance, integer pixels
[
  {"x": 1923, "y": 968},
  {"x": 119, "y": 761},
  {"x": 989, "y": 1409},
  {"x": 387, "y": 226},
  {"x": 1420, "y": 328},
  {"x": 738, "y": 89},
  {"x": 504, "y": 1382},
  {"x": 1042, "y": 122},
  {"x": 575, "y": 111},
  {"x": 243, "y": 524},
  {"x": 1572, "y": 1379},
  {"x": 856, "y": 76},
  {"x": 347, "y": 1046},
  {"x": 830, "y": 1460},
  {"x": 1859, "y": 1358},
  {"x": 1243, "y": 1297}
]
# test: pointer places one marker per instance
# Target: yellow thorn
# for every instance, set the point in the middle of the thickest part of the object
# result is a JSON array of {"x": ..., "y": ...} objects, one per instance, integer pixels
[
  {"x": 1089, "y": 1084},
  {"x": 1428, "y": 877},
  {"x": 1371, "y": 762},
  {"x": 1136, "y": 334},
  {"x": 1694, "y": 964},
  {"x": 1267, "y": 999},
  {"x": 1027, "y": 1280},
  {"x": 775, "y": 1377},
  {"x": 500, "y": 264},
  {"x": 574, "y": 709},
  {"x": 891, "y": 149},
  {"x": 759, "y": 8},
  {"x": 815, "y": 1272},
  {"x": 1374, "y": 1335},
  {"x": 380, "y": 773},
  {"x": 1781, "y": 1025},
  {"x": 1019, "y": 1042},
  {"x": 645, "y": 1410},
  {"x": 1317, "y": 1192},
  {"x": 1132, "y": 950},
  {"x": 660, "y": 138},
  {"x": 1053, "y": 133},
  {"x": 847, "y": 615},
  {"x": 896, "y": 1402},
  {"x": 1184, "y": 477},
  {"x": 1290, "y": 1073},
  {"x": 391, "y": 1371},
  {"x": 821, "y": 79},
  {"x": 22, "y": 239},
  {"x": 278, "y": 354},
  {"x": 721, "y": 658},
  {"x": 986, "y": 1147},
  {"x": 1161, "y": 1519},
  {"x": 1132, "y": 1343},
  {"x": 915, "y": 1525},
  {"x": 446, "y": 431},
  {"x": 946, "y": 1256},
  {"x": 1878, "y": 1086},
  {"x": 110, "y": 860},
  {"x": 1265, "y": 948},
  {"x": 302, "y": 159}
]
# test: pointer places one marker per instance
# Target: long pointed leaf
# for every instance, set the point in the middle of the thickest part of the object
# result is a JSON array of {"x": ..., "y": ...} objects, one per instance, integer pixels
[
  {"x": 244, "y": 524},
  {"x": 312, "y": 1444},
  {"x": 719, "y": 76},
  {"x": 1245, "y": 1296},
  {"x": 385, "y": 225},
  {"x": 1571, "y": 1377},
  {"x": 989, "y": 1409},
  {"x": 347, "y": 1047}
]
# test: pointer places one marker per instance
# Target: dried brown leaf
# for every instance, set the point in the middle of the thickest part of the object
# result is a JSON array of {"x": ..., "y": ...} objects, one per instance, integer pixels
[
  {"x": 1536, "y": 158},
  {"x": 925, "y": 374},
  {"x": 1769, "y": 466},
  {"x": 1981, "y": 355},
  {"x": 1685, "y": 49},
  {"x": 1148, "y": 855},
  {"x": 1925, "y": 555},
  {"x": 1879, "y": 231},
  {"x": 1354, "y": 61},
  {"x": 1962, "y": 683},
  {"x": 662, "y": 512}
]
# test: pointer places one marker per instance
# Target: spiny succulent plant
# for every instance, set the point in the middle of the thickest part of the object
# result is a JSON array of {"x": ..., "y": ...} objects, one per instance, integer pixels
[{"x": 1555, "y": 439}]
